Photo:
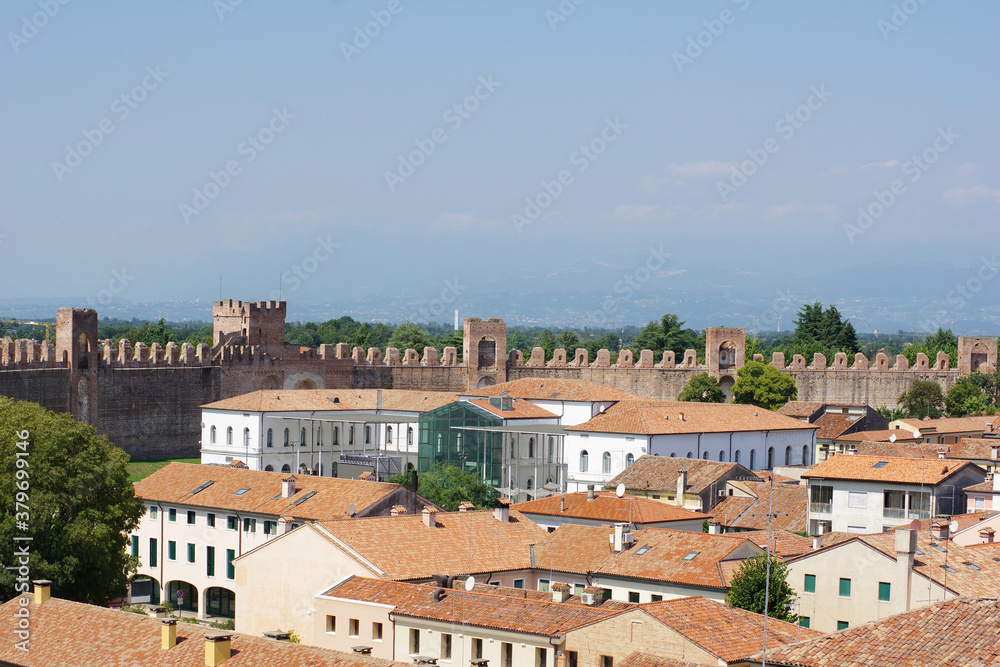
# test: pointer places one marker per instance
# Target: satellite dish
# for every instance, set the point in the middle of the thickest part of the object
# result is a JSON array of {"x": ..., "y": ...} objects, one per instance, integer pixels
[
  {"x": 351, "y": 510},
  {"x": 892, "y": 438},
  {"x": 470, "y": 583},
  {"x": 916, "y": 434},
  {"x": 620, "y": 490},
  {"x": 915, "y": 524},
  {"x": 953, "y": 526}
]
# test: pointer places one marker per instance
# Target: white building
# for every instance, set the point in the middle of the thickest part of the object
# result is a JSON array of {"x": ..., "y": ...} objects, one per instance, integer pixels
[
  {"x": 572, "y": 401},
  {"x": 601, "y": 448},
  {"x": 298, "y": 430}
]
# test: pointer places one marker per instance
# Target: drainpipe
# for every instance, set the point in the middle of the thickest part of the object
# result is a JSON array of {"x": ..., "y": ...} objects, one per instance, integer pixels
[{"x": 260, "y": 443}]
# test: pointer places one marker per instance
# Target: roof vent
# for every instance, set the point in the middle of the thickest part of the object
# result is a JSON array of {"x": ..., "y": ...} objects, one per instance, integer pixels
[{"x": 168, "y": 633}]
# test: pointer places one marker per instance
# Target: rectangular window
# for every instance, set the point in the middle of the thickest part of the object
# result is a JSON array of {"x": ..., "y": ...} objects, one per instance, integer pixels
[
  {"x": 249, "y": 525},
  {"x": 210, "y": 561},
  {"x": 884, "y": 591},
  {"x": 152, "y": 552},
  {"x": 842, "y": 625},
  {"x": 414, "y": 641},
  {"x": 477, "y": 648},
  {"x": 172, "y": 514},
  {"x": 607, "y": 661},
  {"x": 230, "y": 568},
  {"x": 821, "y": 499},
  {"x": 857, "y": 499},
  {"x": 446, "y": 646},
  {"x": 354, "y": 627},
  {"x": 270, "y": 527},
  {"x": 190, "y": 552},
  {"x": 154, "y": 512},
  {"x": 810, "y": 583},
  {"x": 232, "y": 523},
  {"x": 633, "y": 596},
  {"x": 804, "y": 621},
  {"x": 543, "y": 584},
  {"x": 519, "y": 583},
  {"x": 920, "y": 505},
  {"x": 331, "y": 624},
  {"x": 171, "y": 550},
  {"x": 135, "y": 546},
  {"x": 894, "y": 504},
  {"x": 506, "y": 654},
  {"x": 572, "y": 659},
  {"x": 541, "y": 656},
  {"x": 655, "y": 598},
  {"x": 845, "y": 588},
  {"x": 210, "y": 519},
  {"x": 377, "y": 632},
  {"x": 578, "y": 589},
  {"x": 980, "y": 503},
  {"x": 192, "y": 517}
]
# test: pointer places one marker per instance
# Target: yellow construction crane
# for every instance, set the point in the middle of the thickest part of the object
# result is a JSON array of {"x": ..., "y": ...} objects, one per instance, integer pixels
[{"x": 47, "y": 325}]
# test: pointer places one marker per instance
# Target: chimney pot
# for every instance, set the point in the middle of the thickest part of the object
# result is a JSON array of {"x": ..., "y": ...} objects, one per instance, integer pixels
[
  {"x": 906, "y": 541},
  {"x": 590, "y": 492},
  {"x": 168, "y": 633},
  {"x": 817, "y": 542},
  {"x": 986, "y": 535},
  {"x": 714, "y": 528},
  {"x": 429, "y": 515},
  {"x": 43, "y": 590},
  {"x": 217, "y": 649},
  {"x": 288, "y": 487},
  {"x": 682, "y": 478},
  {"x": 397, "y": 510},
  {"x": 939, "y": 531},
  {"x": 466, "y": 506},
  {"x": 501, "y": 512}
]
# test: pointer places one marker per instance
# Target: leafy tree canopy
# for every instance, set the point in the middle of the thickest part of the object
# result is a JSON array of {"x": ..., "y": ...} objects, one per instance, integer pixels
[
  {"x": 825, "y": 328},
  {"x": 763, "y": 385},
  {"x": 965, "y": 398},
  {"x": 667, "y": 334},
  {"x": 749, "y": 589},
  {"x": 80, "y": 504},
  {"x": 702, "y": 388},
  {"x": 409, "y": 336},
  {"x": 450, "y": 486},
  {"x": 924, "y": 399}
]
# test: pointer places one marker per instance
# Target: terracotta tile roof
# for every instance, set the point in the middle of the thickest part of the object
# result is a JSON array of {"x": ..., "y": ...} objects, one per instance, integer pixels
[
  {"x": 418, "y": 551},
  {"x": 961, "y": 631},
  {"x": 788, "y": 501},
  {"x": 982, "y": 487},
  {"x": 659, "y": 473},
  {"x": 901, "y": 450},
  {"x": 291, "y": 400},
  {"x": 831, "y": 426},
  {"x": 638, "y": 659},
  {"x": 690, "y": 418},
  {"x": 665, "y": 558},
  {"x": 878, "y": 436},
  {"x": 800, "y": 408},
  {"x": 973, "y": 449},
  {"x": 606, "y": 506},
  {"x": 784, "y": 544},
  {"x": 331, "y": 499},
  {"x": 574, "y": 548},
  {"x": 726, "y": 632},
  {"x": 72, "y": 633},
  {"x": 778, "y": 479},
  {"x": 557, "y": 390},
  {"x": 530, "y": 616},
  {"x": 520, "y": 409},
  {"x": 901, "y": 471},
  {"x": 951, "y": 424},
  {"x": 963, "y": 520}
]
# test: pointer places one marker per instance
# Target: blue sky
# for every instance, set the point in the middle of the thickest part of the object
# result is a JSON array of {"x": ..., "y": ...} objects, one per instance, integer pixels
[{"x": 740, "y": 138}]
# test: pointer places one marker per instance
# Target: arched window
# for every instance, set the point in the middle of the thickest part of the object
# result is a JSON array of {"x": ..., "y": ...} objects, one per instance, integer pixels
[
  {"x": 350, "y": 434},
  {"x": 606, "y": 463},
  {"x": 368, "y": 435},
  {"x": 552, "y": 449},
  {"x": 805, "y": 455},
  {"x": 736, "y": 457},
  {"x": 722, "y": 455},
  {"x": 689, "y": 455},
  {"x": 583, "y": 460},
  {"x": 530, "y": 484},
  {"x": 770, "y": 458},
  {"x": 319, "y": 436},
  {"x": 409, "y": 435},
  {"x": 246, "y": 437},
  {"x": 388, "y": 435},
  {"x": 336, "y": 436},
  {"x": 270, "y": 437},
  {"x": 229, "y": 435},
  {"x": 629, "y": 459},
  {"x": 705, "y": 456},
  {"x": 672, "y": 455},
  {"x": 285, "y": 468},
  {"x": 302, "y": 437},
  {"x": 531, "y": 448},
  {"x": 268, "y": 468},
  {"x": 285, "y": 442},
  {"x": 753, "y": 459},
  {"x": 211, "y": 435},
  {"x": 788, "y": 455}
]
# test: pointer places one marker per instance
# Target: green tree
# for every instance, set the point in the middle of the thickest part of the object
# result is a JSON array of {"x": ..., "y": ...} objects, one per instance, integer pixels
[
  {"x": 409, "y": 336},
  {"x": 450, "y": 486},
  {"x": 702, "y": 388},
  {"x": 924, "y": 399},
  {"x": 667, "y": 334},
  {"x": 547, "y": 341},
  {"x": 80, "y": 504},
  {"x": 748, "y": 589},
  {"x": 454, "y": 339},
  {"x": 965, "y": 398},
  {"x": 825, "y": 329},
  {"x": 569, "y": 340},
  {"x": 763, "y": 385}
]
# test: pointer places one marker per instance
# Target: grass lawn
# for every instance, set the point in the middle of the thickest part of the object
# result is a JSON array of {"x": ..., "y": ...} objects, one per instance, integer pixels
[{"x": 139, "y": 469}]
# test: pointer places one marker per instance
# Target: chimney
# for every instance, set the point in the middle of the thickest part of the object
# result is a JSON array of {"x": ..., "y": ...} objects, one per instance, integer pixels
[
  {"x": 501, "y": 511},
  {"x": 592, "y": 596},
  {"x": 682, "y": 483},
  {"x": 939, "y": 530},
  {"x": 942, "y": 453},
  {"x": 621, "y": 537},
  {"x": 168, "y": 633},
  {"x": 285, "y": 524},
  {"x": 714, "y": 528},
  {"x": 217, "y": 648},
  {"x": 590, "y": 492},
  {"x": 43, "y": 590},
  {"x": 429, "y": 515},
  {"x": 680, "y": 416},
  {"x": 817, "y": 542},
  {"x": 994, "y": 452},
  {"x": 560, "y": 592},
  {"x": 906, "y": 546},
  {"x": 852, "y": 450},
  {"x": 397, "y": 510},
  {"x": 439, "y": 594},
  {"x": 562, "y": 504},
  {"x": 996, "y": 481},
  {"x": 288, "y": 487},
  {"x": 466, "y": 506},
  {"x": 986, "y": 535}
]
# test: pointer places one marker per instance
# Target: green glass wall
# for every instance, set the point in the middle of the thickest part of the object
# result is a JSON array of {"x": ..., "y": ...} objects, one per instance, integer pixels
[{"x": 478, "y": 451}]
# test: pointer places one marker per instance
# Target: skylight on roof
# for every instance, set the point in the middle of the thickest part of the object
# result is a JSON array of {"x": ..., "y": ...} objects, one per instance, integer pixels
[
  {"x": 642, "y": 550},
  {"x": 691, "y": 556},
  {"x": 505, "y": 392},
  {"x": 304, "y": 498},
  {"x": 881, "y": 464},
  {"x": 972, "y": 566},
  {"x": 920, "y": 553},
  {"x": 240, "y": 492},
  {"x": 203, "y": 487},
  {"x": 553, "y": 395},
  {"x": 939, "y": 548},
  {"x": 948, "y": 568}
]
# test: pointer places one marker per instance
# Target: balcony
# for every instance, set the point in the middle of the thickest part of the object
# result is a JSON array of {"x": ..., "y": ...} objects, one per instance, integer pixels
[
  {"x": 894, "y": 513},
  {"x": 821, "y": 508}
]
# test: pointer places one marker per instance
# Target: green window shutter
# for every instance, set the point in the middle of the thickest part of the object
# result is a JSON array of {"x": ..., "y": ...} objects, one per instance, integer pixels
[
  {"x": 842, "y": 625},
  {"x": 804, "y": 621},
  {"x": 152, "y": 552},
  {"x": 884, "y": 591},
  {"x": 210, "y": 561},
  {"x": 171, "y": 550},
  {"x": 633, "y": 596},
  {"x": 230, "y": 568},
  {"x": 845, "y": 588},
  {"x": 810, "y": 583},
  {"x": 190, "y": 553},
  {"x": 135, "y": 546}
]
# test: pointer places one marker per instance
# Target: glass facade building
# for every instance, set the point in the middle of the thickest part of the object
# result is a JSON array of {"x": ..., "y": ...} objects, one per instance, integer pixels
[{"x": 441, "y": 443}]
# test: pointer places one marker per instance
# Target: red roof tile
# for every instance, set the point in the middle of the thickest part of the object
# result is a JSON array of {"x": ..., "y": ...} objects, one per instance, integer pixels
[
  {"x": 608, "y": 507},
  {"x": 690, "y": 418},
  {"x": 292, "y": 400},
  {"x": 903, "y": 471},
  {"x": 659, "y": 473},
  {"x": 520, "y": 409},
  {"x": 557, "y": 390}
]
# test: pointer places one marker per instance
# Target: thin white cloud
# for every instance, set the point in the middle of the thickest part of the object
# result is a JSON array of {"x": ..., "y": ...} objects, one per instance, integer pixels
[
  {"x": 677, "y": 174},
  {"x": 838, "y": 171},
  {"x": 888, "y": 164},
  {"x": 781, "y": 210},
  {"x": 457, "y": 221},
  {"x": 975, "y": 194},
  {"x": 641, "y": 213}
]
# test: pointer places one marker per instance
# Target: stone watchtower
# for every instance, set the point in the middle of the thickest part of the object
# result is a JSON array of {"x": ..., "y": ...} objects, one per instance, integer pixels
[
  {"x": 260, "y": 324},
  {"x": 974, "y": 352},
  {"x": 725, "y": 353},
  {"x": 76, "y": 350},
  {"x": 484, "y": 350}
]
